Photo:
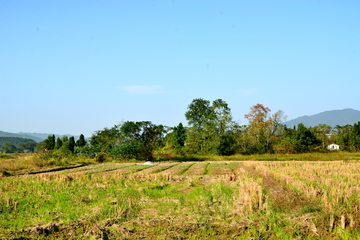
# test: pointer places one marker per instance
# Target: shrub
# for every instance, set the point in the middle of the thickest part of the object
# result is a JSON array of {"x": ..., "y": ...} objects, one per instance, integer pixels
[
  {"x": 100, "y": 158},
  {"x": 226, "y": 146},
  {"x": 128, "y": 150}
]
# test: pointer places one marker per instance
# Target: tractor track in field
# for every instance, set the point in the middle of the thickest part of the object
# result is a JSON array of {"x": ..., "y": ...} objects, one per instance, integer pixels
[
  {"x": 186, "y": 169},
  {"x": 53, "y": 170},
  {"x": 282, "y": 197},
  {"x": 164, "y": 168}
]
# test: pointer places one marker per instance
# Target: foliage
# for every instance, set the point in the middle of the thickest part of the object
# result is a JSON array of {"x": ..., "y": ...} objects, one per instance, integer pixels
[
  {"x": 226, "y": 146},
  {"x": 208, "y": 123},
  {"x": 48, "y": 144},
  {"x": 128, "y": 140},
  {"x": 24, "y": 144},
  {"x": 81, "y": 142},
  {"x": 7, "y": 147},
  {"x": 71, "y": 144},
  {"x": 211, "y": 130},
  {"x": 28, "y": 146},
  {"x": 129, "y": 150},
  {"x": 58, "y": 143},
  {"x": 178, "y": 136}
]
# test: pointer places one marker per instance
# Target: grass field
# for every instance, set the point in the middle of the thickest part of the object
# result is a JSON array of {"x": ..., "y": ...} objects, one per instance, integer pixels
[{"x": 191, "y": 200}]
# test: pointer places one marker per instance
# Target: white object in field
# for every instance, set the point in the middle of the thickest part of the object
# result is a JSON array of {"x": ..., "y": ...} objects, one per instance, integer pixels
[
  {"x": 149, "y": 163},
  {"x": 333, "y": 147}
]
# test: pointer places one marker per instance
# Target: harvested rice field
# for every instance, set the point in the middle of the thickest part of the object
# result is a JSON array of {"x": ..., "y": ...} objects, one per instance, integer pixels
[{"x": 185, "y": 200}]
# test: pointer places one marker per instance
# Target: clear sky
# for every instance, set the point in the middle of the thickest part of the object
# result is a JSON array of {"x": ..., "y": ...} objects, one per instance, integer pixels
[{"x": 72, "y": 67}]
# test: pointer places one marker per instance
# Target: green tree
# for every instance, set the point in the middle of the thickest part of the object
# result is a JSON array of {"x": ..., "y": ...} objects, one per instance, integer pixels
[
  {"x": 104, "y": 140},
  {"x": 81, "y": 142},
  {"x": 48, "y": 143},
  {"x": 222, "y": 116},
  {"x": 207, "y": 124},
  {"x": 178, "y": 136},
  {"x": 7, "y": 147},
  {"x": 65, "y": 149},
  {"x": 322, "y": 131},
  {"x": 65, "y": 139},
  {"x": 198, "y": 112},
  {"x": 30, "y": 146},
  {"x": 58, "y": 143},
  {"x": 305, "y": 138},
  {"x": 128, "y": 140},
  {"x": 226, "y": 146},
  {"x": 72, "y": 144},
  {"x": 41, "y": 146},
  {"x": 21, "y": 147},
  {"x": 140, "y": 139}
]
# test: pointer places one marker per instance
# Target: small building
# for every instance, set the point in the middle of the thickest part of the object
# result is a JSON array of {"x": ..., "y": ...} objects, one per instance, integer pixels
[{"x": 333, "y": 147}]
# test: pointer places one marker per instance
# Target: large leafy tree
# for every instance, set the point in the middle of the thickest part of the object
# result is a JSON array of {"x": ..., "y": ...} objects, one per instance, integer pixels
[
  {"x": 104, "y": 140},
  {"x": 322, "y": 131},
  {"x": 128, "y": 140},
  {"x": 306, "y": 138},
  {"x": 259, "y": 122},
  {"x": 207, "y": 124},
  {"x": 222, "y": 116},
  {"x": 28, "y": 146},
  {"x": 144, "y": 134},
  {"x": 264, "y": 127},
  {"x": 198, "y": 113},
  {"x": 7, "y": 147}
]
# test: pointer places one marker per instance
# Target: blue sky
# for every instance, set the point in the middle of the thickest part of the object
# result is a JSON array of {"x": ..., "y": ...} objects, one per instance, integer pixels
[{"x": 79, "y": 66}]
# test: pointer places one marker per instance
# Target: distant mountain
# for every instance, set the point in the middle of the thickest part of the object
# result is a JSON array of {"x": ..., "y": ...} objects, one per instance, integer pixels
[
  {"x": 37, "y": 137},
  {"x": 44, "y": 136},
  {"x": 7, "y": 134},
  {"x": 331, "y": 118}
]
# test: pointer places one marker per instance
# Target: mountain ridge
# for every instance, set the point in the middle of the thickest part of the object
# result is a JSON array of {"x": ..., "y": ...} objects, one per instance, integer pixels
[
  {"x": 331, "y": 118},
  {"x": 37, "y": 137}
]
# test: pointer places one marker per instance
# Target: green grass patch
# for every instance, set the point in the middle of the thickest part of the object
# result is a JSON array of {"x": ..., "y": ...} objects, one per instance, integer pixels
[{"x": 206, "y": 169}]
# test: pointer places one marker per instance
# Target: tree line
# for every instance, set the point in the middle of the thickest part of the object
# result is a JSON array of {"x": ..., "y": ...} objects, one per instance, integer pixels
[
  {"x": 65, "y": 144},
  {"x": 212, "y": 130}
]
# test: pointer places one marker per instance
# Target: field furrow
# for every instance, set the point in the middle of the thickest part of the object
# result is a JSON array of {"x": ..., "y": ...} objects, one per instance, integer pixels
[
  {"x": 219, "y": 168},
  {"x": 196, "y": 169},
  {"x": 201, "y": 200},
  {"x": 176, "y": 169},
  {"x": 158, "y": 168}
]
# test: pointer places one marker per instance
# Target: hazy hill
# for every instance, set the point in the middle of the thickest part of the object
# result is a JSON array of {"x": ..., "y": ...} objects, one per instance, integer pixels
[
  {"x": 15, "y": 140},
  {"x": 37, "y": 137},
  {"x": 331, "y": 118},
  {"x": 16, "y": 135},
  {"x": 43, "y": 136}
]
